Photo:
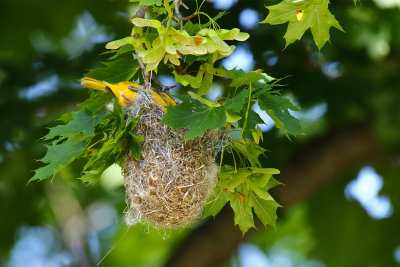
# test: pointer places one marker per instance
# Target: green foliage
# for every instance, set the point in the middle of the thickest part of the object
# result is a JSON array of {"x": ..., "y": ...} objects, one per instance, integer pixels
[
  {"x": 195, "y": 115},
  {"x": 123, "y": 68},
  {"x": 82, "y": 122},
  {"x": 247, "y": 190},
  {"x": 103, "y": 137},
  {"x": 57, "y": 157},
  {"x": 278, "y": 108},
  {"x": 304, "y": 15}
]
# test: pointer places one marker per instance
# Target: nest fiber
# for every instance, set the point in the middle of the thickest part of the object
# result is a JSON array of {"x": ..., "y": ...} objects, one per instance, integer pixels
[{"x": 171, "y": 183}]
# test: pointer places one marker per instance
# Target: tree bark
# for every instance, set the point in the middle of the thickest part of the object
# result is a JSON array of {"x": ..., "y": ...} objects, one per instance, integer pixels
[{"x": 318, "y": 164}]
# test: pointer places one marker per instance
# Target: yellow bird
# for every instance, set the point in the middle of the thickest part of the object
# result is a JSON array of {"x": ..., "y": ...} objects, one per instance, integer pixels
[{"x": 125, "y": 92}]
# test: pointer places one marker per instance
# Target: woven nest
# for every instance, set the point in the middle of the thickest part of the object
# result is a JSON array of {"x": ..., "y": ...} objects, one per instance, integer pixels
[{"x": 170, "y": 184}]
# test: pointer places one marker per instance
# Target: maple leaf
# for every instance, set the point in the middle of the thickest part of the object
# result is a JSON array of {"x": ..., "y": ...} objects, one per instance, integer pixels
[
  {"x": 314, "y": 15},
  {"x": 57, "y": 157},
  {"x": 194, "y": 114}
]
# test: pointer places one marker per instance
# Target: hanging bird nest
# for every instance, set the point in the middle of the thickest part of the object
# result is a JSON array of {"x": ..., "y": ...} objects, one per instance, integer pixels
[{"x": 171, "y": 182}]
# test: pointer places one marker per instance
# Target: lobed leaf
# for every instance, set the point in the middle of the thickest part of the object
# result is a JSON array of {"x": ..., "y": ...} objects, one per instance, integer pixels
[
  {"x": 195, "y": 115},
  {"x": 277, "y": 108},
  {"x": 58, "y": 156},
  {"x": 315, "y": 15}
]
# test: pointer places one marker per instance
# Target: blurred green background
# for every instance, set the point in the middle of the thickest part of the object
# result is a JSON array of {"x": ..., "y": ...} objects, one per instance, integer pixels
[{"x": 341, "y": 200}]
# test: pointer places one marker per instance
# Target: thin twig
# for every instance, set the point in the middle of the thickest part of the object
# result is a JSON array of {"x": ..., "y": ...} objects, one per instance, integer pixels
[
  {"x": 146, "y": 74},
  {"x": 161, "y": 86},
  {"x": 178, "y": 3},
  {"x": 141, "y": 12}
]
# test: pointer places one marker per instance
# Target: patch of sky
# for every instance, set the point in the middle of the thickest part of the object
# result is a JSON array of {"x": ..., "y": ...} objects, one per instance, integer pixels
[
  {"x": 249, "y": 18},
  {"x": 103, "y": 219},
  {"x": 10, "y": 146},
  {"x": 332, "y": 69},
  {"x": 268, "y": 122},
  {"x": 311, "y": 114},
  {"x": 85, "y": 35},
  {"x": 397, "y": 255},
  {"x": 102, "y": 216},
  {"x": 37, "y": 247},
  {"x": 216, "y": 90},
  {"x": 223, "y": 4},
  {"x": 270, "y": 58},
  {"x": 167, "y": 80},
  {"x": 94, "y": 244},
  {"x": 252, "y": 256},
  {"x": 365, "y": 189},
  {"x": 241, "y": 58},
  {"x": 43, "y": 87}
]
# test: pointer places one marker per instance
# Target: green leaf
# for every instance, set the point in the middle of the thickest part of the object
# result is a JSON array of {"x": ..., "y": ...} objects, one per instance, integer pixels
[
  {"x": 194, "y": 114},
  {"x": 216, "y": 201},
  {"x": 237, "y": 102},
  {"x": 277, "y": 108},
  {"x": 95, "y": 103},
  {"x": 243, "y": 214},
  {"x": 261, "y": 180},
  {"x": 203, "y": 100},
  {"x": 150, "y": 2},
  {"x": 119, "y": 70},
  {"x": 272, "y": 182},
  {"x": 252, "y": 120},
  {"x": 250, "y": 150},
  {"x": 116, "y": 44},
  {"x": 232, "y": 179},
  {"x": 314, "y": 14},
  {"x": 259, "y": 191},
  {"x": 231, "y": 118},
  {"x": 264, "y": 209},
  {"x": 58, "y": 156},
  {"x": 134, "y": 144},
  {"x": 83, "y": 122},
  {"x": 248, "y": 77},
  {"x": 120, "y": 51},
  {"x": 140, "y": 22},
  {"x": 265, "y": 170},
  {"x": 206, "y": 83},
  {"x": 187, "y": 79},
  {"x": 233, "y": 34}
]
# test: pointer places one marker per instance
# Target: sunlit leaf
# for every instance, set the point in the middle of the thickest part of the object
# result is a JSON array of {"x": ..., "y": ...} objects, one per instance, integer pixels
[{"x": 315, "y": 15}]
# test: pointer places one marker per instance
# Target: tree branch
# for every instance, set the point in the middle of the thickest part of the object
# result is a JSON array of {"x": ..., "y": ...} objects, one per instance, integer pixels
[
  {"x": 141, "y": 12},
  {"x": 318, "y": 164}
]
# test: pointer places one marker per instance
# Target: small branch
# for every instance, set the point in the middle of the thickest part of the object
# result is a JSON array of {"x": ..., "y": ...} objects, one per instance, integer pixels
[
  {"x": 157, "y": 83},
  {"x": 178, "y": 4},
  {"x": 141, "y": 12},
  {"x": 161, "y": 86},
  {"x": 146, "y": 74}
]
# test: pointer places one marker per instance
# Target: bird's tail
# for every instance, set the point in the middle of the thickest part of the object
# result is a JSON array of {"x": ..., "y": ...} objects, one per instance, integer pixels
[{"x": 93, "y": 84}]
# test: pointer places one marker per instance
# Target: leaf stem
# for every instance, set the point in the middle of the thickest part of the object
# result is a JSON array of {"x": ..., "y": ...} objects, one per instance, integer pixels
[{"x": 247, "y": 114}]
